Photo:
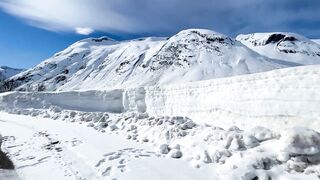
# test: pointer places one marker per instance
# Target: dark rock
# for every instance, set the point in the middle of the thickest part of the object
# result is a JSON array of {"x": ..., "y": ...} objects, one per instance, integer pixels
[
  {"x": 60, "y": 78},
  {"x": 275, "y": 38}
]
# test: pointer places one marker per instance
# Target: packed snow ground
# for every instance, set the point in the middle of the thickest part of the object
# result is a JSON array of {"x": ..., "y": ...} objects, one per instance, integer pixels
[
  {"x": 84, "y": 145},
  {"x": 46, "y": 149}
]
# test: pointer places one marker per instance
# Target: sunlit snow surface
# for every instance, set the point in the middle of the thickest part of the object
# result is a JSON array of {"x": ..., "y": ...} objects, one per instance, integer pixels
[
  {"x": 197, "y": 105},
  {"x": 242, "y": 127},
  {"x": 281, "y": 46}
]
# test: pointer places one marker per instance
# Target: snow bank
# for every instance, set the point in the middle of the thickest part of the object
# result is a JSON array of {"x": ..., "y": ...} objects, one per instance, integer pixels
[
  {"x": 279, "y": 99},
  {"x": 103, "y": 101}
]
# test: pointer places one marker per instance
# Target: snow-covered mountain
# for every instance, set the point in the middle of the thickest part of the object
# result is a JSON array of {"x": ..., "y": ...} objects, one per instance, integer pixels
[
  {"x": 103, "y": 63},
  {"x": 283, "y": 46},
  {"x": 254, "y": 126},
  {"x": 7, "y": 72},
  {"x": 316, "y": 41}
]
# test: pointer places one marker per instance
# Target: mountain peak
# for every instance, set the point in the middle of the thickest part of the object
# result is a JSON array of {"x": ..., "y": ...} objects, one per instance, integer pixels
[
  {"x": 190, "y": 55},
  {"x": 261, "y": 39},
  {"x": 97, "y": 40},
  {"x": 286, "y": 46},
  {"x": 7, "y": 72},
  {"x": 202, "y": 34}
]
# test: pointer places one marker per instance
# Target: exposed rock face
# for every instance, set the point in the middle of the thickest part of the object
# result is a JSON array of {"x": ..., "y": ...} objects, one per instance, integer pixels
[{"x": 5, "y": 162}]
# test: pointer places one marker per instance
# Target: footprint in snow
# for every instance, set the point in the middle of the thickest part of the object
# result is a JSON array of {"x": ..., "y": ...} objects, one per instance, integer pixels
[{"x": 123, "y": 157}]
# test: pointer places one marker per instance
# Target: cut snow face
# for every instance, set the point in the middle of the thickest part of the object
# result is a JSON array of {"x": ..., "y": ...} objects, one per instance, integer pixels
[
  {"x": 283, "y": 46},
  {"x": 190, "y": 55},
  {"x": 242, "y": 100}
]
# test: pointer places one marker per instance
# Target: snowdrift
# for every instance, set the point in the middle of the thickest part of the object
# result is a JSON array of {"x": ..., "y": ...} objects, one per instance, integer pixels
[{"x": 289, "y": 97}]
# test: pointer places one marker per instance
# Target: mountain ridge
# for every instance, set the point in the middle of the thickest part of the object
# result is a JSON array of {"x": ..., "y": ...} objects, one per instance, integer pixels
[
  {"x": 286, "y": 46},
  {"x": 104, "y": 63},
  {"x": 7, "y": 72}
]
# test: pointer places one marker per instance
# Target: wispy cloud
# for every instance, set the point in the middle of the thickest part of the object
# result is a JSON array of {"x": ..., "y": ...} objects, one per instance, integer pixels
[
  {"x": 163, "y": 17},
  {"x": 83, "y": 30}
]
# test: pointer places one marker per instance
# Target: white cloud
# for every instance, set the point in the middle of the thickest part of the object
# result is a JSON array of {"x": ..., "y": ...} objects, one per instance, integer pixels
[
  {"x": 83, "y": 30},
  {"x": 163, "y": 17},
  {"x": 68, "y": 15}
]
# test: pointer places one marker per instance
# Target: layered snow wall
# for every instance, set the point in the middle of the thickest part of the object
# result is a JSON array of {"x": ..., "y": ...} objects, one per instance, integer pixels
[
  {"x": 290, "y": 96},
  {"x": 92, "y": 101}
]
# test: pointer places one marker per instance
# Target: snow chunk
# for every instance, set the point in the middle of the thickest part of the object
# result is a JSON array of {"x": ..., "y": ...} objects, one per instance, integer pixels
[
  {"x": 262, "y": 133},
  {"x": 221, "y": 155},
  {"x": 164, "y": 149},
  {"x": 113, "y": 127},
  {"x": 175, "y": 153},
  {"x": 300, "y": 141},
  {"x": 239, "y": 141}
]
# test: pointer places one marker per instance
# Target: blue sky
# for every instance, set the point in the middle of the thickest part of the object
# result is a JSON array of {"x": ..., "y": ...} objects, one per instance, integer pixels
[
  {"x": 31, "y": 31},
  {"x": 23, "y": 46}
]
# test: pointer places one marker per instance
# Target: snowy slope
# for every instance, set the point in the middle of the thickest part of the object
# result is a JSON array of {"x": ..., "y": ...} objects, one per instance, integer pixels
[
  {"x": 316, "y": 40},
  {"x": 103, "y": 63},
  {"x": 7, "y": 72},
  {"x": 283, "y": 46}
]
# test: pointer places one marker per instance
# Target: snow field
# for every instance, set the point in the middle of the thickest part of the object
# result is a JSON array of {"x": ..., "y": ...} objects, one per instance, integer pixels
[
  {"x": 258, "y": 152},
  {"x": 68, "y": 151}
]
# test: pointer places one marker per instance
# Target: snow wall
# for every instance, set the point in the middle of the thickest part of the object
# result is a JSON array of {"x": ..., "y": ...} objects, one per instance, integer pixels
[
  {"x": 286, "y": 97},
  {"x": 109, "y": 101}
]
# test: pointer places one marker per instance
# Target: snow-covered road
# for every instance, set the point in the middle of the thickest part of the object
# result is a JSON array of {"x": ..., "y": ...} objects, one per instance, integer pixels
[{"x": 46, "y": 149}]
